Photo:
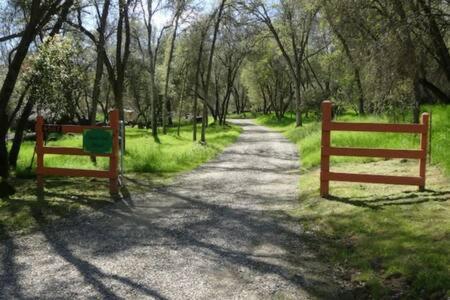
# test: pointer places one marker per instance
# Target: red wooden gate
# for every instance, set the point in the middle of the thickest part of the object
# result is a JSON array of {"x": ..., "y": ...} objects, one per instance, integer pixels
[
  {"x": 41, "y": 171},
  {"x": 327, "y": 150}
]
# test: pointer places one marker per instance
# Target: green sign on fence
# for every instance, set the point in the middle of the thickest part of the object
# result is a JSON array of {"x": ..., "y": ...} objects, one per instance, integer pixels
[{"x": 97, "y": 141}]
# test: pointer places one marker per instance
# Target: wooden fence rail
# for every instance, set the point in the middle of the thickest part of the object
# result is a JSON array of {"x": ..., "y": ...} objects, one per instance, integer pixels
[
  {"x": 41, "y": 150},
  {"x": 327, "y": 150}
]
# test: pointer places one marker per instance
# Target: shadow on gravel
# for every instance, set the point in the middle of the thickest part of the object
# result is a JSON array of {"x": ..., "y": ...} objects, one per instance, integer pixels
[
  {"x": 60, "y": 243},
  {"x": 8, "y": 270},
  {"x": 241, "y": 226},
  {"x": 91, "y": 274},
  {"x": 242, "y": 239},
  {"x": 244, "y": 230}
]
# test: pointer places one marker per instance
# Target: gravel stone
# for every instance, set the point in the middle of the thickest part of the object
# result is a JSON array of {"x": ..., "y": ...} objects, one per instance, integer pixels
[{"x": 221, "y": 231}]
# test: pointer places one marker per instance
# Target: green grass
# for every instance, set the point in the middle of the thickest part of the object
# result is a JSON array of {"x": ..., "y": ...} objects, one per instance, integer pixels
[
  {"x": 393, "y": 239},
  {"x": 172, "y": 154},
  {"x": 440, "y": 144},
  {"x": 147, "y": 163},
  {"x": 308, "y": 137}
]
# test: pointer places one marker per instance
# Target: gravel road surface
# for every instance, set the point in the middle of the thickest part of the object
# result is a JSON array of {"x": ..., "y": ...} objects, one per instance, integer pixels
[{"x": 218, "y": 232}]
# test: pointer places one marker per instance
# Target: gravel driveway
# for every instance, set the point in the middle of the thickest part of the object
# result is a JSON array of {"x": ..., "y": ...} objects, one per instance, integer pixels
[{"x": 220, "y": 231}]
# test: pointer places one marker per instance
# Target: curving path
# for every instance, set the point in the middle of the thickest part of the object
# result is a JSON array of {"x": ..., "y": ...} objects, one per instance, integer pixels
[{"x": 220, "y": 231}]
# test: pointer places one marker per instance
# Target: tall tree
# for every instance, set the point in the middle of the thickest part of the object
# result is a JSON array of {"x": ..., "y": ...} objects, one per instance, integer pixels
[
  {"x": 436, "y": 37},
  {"x": 298, "y": 22},
  {"x": 152, "y": 51},
  {"x": 40, "y": 14},
  {"x": 178, "y": 11},
  {"x": 27, "y": 109},
  {"x": 345, "y": 45},
  {"x": 208, "y": 73},
  {"x": 100, "y": 46},
  {"x": 116, "y": 72},
  {"x": 202, "y": 32}
]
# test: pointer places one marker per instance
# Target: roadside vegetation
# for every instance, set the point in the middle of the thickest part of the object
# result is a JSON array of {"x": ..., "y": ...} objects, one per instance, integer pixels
[
  {"x": 308, "y": 137},
  {"x": 387, "y": 241},
  {"x": 172, "y": 153},
  {"x": 145, "y": 167}
]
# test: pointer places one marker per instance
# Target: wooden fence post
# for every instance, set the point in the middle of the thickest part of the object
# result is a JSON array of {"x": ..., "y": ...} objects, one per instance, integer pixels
[
  {"x": 326, "y": 141},
  {"x": 39, "y": 129},
  {"x": 430, "y": 137},
  {"x": 113, "y": 161},
  {"x": 424, "y": 148}
]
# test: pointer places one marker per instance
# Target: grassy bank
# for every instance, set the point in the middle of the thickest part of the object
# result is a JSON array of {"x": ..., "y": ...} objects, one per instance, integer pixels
[
  {"x": 172, "y": 154},
  {"x": 308, "y": 137},
  {"x": 389, "y": 241},
  {"x": 147, "y": 163}
]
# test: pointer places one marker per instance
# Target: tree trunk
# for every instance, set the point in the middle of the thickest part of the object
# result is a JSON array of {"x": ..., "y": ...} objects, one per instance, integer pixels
[
  {"x": 264, "y": 100},
  {"x": 18, "y": 136},
  {"x": 100, "y": 63},
  {"x": 236, "y": 100},
  {"x": 208, "y": 74},
  {"x": 5, "y": 95},
  {"x": 96, "y": 90},
  {"x": 180, "y": 107},
  {"x": 197, "y": 83},
  {"x": 13, "y": 115},
  {"x": 298, "y": 105},
  {"x": 10, "y": 80},
  {"x": 438, "y": 40},
  {"x": 121, "y": 60},
  {"x": 356, "y": 69},
  {"x": 153, "y": 105},
  {"x": 217, "y": 102},
  {"x": 417, "y": 100},
  {"x": 169, "y": 64},
  {"x": 361, "y": 99},
  {"x": 411, "y": 52},
  {"x": 151, "y": 70},
  {"x": 435, "y": 90}
]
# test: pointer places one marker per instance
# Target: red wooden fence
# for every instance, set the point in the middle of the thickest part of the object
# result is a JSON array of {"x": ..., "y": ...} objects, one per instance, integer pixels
[
  {"x": 327, "y": 150},
  {"x": 41, "y": 171}
]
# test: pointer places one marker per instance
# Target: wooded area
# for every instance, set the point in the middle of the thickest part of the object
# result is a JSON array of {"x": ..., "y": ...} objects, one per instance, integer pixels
[{"x": 162, "y": 63}]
